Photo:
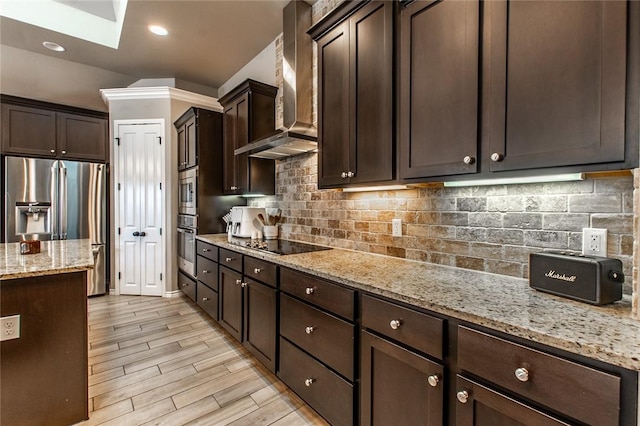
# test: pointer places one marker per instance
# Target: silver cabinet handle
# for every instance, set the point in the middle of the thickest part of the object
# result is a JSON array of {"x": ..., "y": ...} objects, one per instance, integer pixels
[
  {"x": 468, "y": 159},
  {"x": 205, "y": 250},
  {"x": 350, "y": 174},
  {"x": 308, "y": 382},
  {"x": 53, "y": 151},
  {"x": 463, "y": 396},
  {"x": 228, "y": 259},
  {"x": 522, "y": 374},
  {"x": 343, "y": 175},
  {"x": 185, "y": 284},
  {"x": 243, "y": 285},
  {"x": 204, "y": 271},
  {"x": 238, "y": 282},
  {"x": 234, "y": 188},
  {"x": 433, "y": 380},
  {"x": 256, "y": 270},
  {"x": 395, "y": 324},
  {"x": 64, "y": 152},
  {"x": 496, "y": 156},
  {"x": 205, "y": 299},
  {"x": 309, "y": 330},
  {"x": 308, "y": 290}
]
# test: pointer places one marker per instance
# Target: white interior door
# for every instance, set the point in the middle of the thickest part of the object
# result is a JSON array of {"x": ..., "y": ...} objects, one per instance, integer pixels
[{"x": 138, "y": 173}]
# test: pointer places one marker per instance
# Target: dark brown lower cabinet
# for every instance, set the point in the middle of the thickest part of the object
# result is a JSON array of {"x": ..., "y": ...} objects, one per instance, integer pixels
[
  {"x": 480, "y": 406},
  {"x": 260, "y": 303},
  {"x": 230, "y": 304},
  {"x": 329, "y": 394},
  {"x": 207, "y": 300},
  {"x": 398, "y": 386},
  {"x": 187, "y": 285}
]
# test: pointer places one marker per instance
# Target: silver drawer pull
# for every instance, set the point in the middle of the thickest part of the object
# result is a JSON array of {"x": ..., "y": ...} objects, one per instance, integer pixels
[
  {"x": 463, "y": 396},
  {"x": 496, "y": 156},
  {"x": 205, "y": 299},
  {"x": 309, "y": 290},
  {"x": 343, "y": 175},
  {"x": 228, "y": 259},
  {"x": 395, "y": 324},
  {"x": 205, "y": 271},
  {"x": 205, "y": 250},
  {"x": 238, "y": 282},
  {"x": 256, "y": 270},
  {"x": 433, "y": 380},
  {"x": 308, "y": 382},
  {"x": 243, "y": 285},
  {"x": 309, "y": 330},
  {"x": 234, "y": 188},
  {"x": 522, "y": 374},
  {"x": 185, "y": 284}
]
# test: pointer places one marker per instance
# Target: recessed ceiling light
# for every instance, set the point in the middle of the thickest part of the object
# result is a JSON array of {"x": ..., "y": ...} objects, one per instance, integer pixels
[
  {"x": 158, "y": 30},
  {"x": 53, "y": 46}
]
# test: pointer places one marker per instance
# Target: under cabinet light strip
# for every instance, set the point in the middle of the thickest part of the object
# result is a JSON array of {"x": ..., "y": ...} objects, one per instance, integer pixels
[
  {"x": 375, "y": 188},
  {"x": 568, "y": 177}
]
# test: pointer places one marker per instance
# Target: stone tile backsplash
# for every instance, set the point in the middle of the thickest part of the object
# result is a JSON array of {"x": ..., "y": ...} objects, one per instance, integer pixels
[{"x": 487, "y": 228}]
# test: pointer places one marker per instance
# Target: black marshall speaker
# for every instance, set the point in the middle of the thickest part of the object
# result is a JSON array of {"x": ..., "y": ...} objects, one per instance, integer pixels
[{"x": 591, "y": 279}]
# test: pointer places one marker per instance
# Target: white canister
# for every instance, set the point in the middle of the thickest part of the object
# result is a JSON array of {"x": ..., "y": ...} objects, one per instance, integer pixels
[{"x": 270, "y": 232}]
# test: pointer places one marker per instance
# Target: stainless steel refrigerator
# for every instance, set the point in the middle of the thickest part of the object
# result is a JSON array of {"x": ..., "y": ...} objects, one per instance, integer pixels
[{"x": 58, "y": 200}]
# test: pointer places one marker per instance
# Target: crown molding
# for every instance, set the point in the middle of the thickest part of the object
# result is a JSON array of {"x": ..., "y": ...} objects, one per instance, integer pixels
[{"x": 164, "y": 92}]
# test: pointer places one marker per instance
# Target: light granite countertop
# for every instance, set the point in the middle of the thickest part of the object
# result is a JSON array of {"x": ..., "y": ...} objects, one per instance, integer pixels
[
  {"x": 55, "y": 257},
  {"x": 502, "y": 303}
]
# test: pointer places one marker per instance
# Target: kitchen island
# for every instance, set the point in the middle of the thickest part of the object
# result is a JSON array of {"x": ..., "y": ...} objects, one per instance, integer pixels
[{"x": 44, "y": 371}]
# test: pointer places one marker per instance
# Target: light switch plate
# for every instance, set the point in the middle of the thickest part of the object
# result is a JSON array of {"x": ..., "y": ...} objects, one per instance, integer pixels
[{"x": 396, "y": 227}]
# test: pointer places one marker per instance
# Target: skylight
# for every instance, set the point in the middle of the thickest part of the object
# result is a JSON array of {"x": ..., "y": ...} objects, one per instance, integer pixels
[{"x": 97, "y": 21}]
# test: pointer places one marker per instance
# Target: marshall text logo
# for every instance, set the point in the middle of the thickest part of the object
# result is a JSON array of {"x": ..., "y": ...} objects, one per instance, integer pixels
[{"x": 556, "y": 276}]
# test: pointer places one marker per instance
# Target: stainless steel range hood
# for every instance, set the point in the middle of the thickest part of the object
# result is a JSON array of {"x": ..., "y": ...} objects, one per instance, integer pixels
[{"x": 298, "y": 135}]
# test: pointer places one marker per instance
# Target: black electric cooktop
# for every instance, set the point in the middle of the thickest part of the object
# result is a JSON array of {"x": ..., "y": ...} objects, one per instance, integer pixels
[{"x": 278, "y": 246}]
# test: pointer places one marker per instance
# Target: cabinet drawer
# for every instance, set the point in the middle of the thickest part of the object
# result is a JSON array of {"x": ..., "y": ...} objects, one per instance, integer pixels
[
  {"x": 325, "y": 391},
  {"x": 578, "y": 391},
  {"x": 187, "y": 285},
  {"x": 207, "y": 250},
  {"x": 207, "y": 272},
  {"x": 208, "y": 300},
  {"x": 326, "y": 337},
  {"x": 231, "y": 259},
  {"x": 420, "y": 331},
  {"x": 334, "y": 298},
  {"x": 261, "y": 270}
]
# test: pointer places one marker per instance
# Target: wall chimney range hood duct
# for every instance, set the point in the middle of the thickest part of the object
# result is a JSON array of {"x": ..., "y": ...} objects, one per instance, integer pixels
[{"x": 298, "y": 134}]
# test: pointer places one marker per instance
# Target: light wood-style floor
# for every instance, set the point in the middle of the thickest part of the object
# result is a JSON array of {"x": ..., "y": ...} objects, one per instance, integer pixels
[{"x": 162, "y": 361}]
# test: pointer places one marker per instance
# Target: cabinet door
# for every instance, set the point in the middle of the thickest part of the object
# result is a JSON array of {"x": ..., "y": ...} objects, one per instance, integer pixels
[
  {"x": 82, "y": 138},
  {"x": 398, "y": 386},
  {"x": 230, "y": 296},
  {"x": 229, "y": 125},
  {"x": 182, "y": 148},
  {"x": 260, "y": 322},
  {"x": 438, "y": 85},
  {"x": 555, "y": 83},
  {"x": 191, "y": 144},
  {"x": 480, "y": 406},
  {"x": 371, "y": 148},
  {"x": 236, "y": 135},
  {"x": 334, "y": 107},
  {"x": 28, "y": 131}
]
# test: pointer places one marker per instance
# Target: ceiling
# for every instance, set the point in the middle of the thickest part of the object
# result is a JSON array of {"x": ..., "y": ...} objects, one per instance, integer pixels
[{"x": 208, "y": 42}]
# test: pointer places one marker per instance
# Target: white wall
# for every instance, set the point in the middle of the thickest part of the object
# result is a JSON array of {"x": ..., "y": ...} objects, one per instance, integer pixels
[{"x": 262, "y": 68}]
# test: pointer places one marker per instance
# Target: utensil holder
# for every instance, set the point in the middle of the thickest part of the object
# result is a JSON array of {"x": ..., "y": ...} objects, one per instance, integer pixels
[{"x": 270, "y": 232}]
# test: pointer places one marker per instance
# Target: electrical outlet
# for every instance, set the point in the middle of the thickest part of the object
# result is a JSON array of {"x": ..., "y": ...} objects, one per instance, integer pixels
[
  {"x": 396, "y": 227},
  {"x": 594, "y": 242},
  {"x": 10, "y": 327}
]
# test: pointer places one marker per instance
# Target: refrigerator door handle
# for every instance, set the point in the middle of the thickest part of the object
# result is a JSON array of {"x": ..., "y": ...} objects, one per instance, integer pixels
[
  {"x": 63, "y": 203},
  {"x": 55, "y": 202}
]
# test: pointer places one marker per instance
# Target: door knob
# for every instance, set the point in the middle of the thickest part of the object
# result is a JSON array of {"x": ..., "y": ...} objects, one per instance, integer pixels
[
  {"x": 143, "y": 234},
  {"x": 136, "y": 234}
]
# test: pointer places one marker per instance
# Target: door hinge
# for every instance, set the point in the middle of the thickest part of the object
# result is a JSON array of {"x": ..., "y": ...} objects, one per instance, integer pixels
[
  {"x": 160, "y": 140},
  {"x": 118, "y": 231},
  {"x": 160, "y": 231},
  {"x": 161, "y": 277},
  {"x": 160, "y": 186},
  {"x": 118, "y": 186},
  {"x": 118, "y": 141},
  {"x": 119, "y": 275}
]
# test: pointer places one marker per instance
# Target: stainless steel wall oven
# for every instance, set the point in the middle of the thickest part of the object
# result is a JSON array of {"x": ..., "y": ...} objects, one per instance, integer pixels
[{"x": 187, "y": 231}]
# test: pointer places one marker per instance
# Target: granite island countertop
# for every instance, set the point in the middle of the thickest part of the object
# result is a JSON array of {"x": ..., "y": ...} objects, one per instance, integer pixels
[
  {"x": 502, "y": 303},
  {"x": 55, "y": 257}
]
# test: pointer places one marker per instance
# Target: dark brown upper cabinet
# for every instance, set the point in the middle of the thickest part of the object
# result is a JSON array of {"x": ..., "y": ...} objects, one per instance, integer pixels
[
  {"x": 438, "y": 86},
  {"x": 249, "y": 115},
  {"x": 356, "y": 140},
  {"x": 186, "y": 127},
  {"x": 39, "y": 129},
  {"x": 556, "y": 76}
]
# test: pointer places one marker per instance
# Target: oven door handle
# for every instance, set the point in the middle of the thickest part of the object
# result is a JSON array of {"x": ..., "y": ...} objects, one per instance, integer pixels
[{"x": 187, "y": 231}]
